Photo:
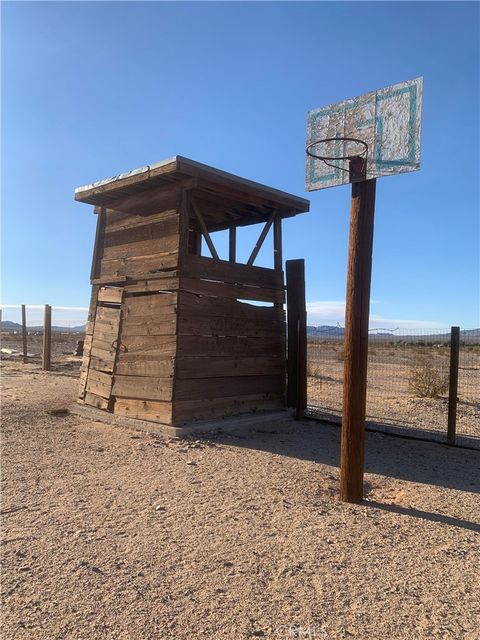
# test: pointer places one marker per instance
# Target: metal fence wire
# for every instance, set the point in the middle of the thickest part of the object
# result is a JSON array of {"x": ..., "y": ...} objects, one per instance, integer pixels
[
  {"x": 68, "y": 327},
  {"x": 407, "y": 379}
]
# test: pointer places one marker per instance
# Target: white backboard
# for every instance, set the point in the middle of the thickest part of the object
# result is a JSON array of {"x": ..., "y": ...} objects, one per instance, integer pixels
[{"x": 388, "y": 121}]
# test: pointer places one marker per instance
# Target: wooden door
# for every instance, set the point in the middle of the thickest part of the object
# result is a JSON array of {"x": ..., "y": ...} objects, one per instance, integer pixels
[{"x": 103, "y": 348}]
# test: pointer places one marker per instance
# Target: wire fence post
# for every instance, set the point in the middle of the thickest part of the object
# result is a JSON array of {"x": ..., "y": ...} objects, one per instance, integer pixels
[
  {"x": 297, "y": 336},
  {"x": 453, "y": 384},
  {"x": 24, "y": 334},
  {"x": 47, "y": 338}
]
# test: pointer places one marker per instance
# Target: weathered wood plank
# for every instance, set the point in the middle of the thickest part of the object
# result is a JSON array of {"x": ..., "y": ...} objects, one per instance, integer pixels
[
  {"x": 107, "y": 314},
  {"x": 144, "y": 410},
  {"x": 232, "y": 346},
  {"x": 165, "y": 328},
  {"x": 143, "y": 248},
  {"x": 95, "y": 401},
  {"x": 139, "y": 265},
  {"x": 198, "y": 367},
  {"x": 110, "y": 294},
  {"x": 89, "y": 328},
  {"x": 206, "y": 388},
  {"x": 107, "y": 355},
  {"x": 83, "y": 377},
  {"x": 149, "y": 305},
  {"x": 188, "y": 410},
  {"x": 191, "y": 305},
  {"x": 201, "y": 266},
  {"x": 232, "y": 290},
  {"x": 160, "y": 367},
  {"x": 121, "y": 227},
  {"x": 134, "y": 346},
  {"x": 143, "y": 388},
  {"x": 99, "y": 383},
  {"x": 230, "y": 326},
  {"x": 146, "y": 286},
  {"x": 102, "y": 364}
]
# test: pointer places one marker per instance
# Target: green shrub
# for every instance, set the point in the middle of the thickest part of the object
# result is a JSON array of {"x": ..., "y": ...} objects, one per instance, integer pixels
[{"x": 424, "y": 380}]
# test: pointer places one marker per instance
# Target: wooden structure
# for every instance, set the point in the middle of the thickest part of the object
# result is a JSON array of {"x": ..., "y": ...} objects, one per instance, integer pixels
[{"x": 174, "y": 336}]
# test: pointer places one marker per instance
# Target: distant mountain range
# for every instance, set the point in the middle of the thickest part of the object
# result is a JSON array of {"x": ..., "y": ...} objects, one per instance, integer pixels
[
  {"x": 329, "y": 332},
  {"x": 325, "y": 332},
  {"x": 8, "y": 325}
]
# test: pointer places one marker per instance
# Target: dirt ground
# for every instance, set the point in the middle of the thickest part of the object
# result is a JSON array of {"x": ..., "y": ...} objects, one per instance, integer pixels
[
  {"x": 389, "y": 397},
  {"x": 114, "y": 534}
]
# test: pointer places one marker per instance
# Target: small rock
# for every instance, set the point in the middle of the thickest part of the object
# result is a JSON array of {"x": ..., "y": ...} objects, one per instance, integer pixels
[
  {"x": 160, "y": 507},
  {"x": 191, "y": 462}
]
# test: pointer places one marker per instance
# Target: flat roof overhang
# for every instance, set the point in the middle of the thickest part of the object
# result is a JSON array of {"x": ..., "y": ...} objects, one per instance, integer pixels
[{"x": 223, "y": 198}]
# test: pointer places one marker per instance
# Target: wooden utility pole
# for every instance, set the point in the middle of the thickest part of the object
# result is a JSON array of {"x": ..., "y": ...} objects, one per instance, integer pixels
[
  {"x": 356, "y": 336},
  {"x": 297, "y": 336},
  {"x": 47, "y": 337},
  {"x": 453, "y": 384},
  {"x": 24, "y": 334}
]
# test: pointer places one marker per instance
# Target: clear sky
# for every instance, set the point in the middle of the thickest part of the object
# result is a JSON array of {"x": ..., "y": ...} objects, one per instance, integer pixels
[{"x": 92, "y": 89}]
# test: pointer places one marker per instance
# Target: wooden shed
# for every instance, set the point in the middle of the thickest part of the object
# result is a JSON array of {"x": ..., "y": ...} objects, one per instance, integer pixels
[{"x": 173, "y": 336}]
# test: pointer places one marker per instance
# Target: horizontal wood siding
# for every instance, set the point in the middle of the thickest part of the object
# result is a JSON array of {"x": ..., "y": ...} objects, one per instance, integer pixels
[
  {"x": 144, "y": 369},
  {"x": 136, "y": 244},
  {"x": 224, "y": 271},
  {"x": 144, "y": 410},
  {"x": 230, "y": 353}
]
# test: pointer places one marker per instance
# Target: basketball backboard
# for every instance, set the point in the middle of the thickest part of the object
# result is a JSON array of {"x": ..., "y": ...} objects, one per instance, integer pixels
[{"x": 388, "y": 121}]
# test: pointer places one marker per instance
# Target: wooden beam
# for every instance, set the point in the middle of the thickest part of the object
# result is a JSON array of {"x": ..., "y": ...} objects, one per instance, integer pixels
[
  {"x": 204, "y": 229},
  {"x": 356, "y": 340},
  {"x": 99, "y": 242},
  {"x": 277, "y": 242},
  {"x": 262, "y": 237},
  {"x": 232, "y": 243},
  {"x": 453, "y": 384},
  {"x": 24, "y": 334},
  {"x": 47, "y": 338},
  {"x": 297, "y": 336}
]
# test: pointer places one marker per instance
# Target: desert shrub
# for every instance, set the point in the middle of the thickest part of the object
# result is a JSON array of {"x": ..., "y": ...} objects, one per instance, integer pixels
[
  {"x": 313, "y": 370},
  {"x": 339, "y": 357},
  {"x": 424, "y": 380}
]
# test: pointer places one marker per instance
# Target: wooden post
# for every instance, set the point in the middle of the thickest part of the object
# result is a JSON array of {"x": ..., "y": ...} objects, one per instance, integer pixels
[
  {"x": 356, "y": 339},
  {"x": 47, "y": 337},
  {"x": 453, "y": 384},
  {"x": 261, "y": 239},
  {"x": 297, "y": 336},
  {"x": 277, "y": 243},
  {"x": 24, "y": 334},
  {"x": 232, "y": 243}
]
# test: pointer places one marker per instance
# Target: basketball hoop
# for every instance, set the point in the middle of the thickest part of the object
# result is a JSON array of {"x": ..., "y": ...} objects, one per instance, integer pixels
[{"x": 362, "y": 154}]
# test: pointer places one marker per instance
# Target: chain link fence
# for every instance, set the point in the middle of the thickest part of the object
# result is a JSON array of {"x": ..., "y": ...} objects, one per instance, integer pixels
[
  {"x": 68, "y": 327},
  {"x": 407, "y": 380}
]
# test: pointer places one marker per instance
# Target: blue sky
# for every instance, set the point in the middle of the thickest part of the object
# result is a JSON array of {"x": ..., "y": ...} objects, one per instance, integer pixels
[{"x": 93, "y": 89}]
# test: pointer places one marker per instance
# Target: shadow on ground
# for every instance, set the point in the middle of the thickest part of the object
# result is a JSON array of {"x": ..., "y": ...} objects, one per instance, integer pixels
[
  {"x": 411, "y": 460},
  {"x": 387, "y": 455}
]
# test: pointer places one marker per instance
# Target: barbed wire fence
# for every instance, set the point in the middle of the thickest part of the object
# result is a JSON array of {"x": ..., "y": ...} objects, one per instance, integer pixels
[
  {"x": 67, "y": 329},
  {"x": 407, "y": 380}
]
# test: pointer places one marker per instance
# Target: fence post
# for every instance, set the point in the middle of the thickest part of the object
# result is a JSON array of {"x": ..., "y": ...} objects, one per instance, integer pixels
[
  {"x": 297, "y": 336},
  {"x": 453, "y": 384},
  {"x": 47, "y": 337},
  {"x": 24, "y": 334}
]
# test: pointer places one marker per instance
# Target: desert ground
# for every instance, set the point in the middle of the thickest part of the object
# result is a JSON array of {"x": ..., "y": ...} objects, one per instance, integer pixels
[{"x": 114, "y": 534}]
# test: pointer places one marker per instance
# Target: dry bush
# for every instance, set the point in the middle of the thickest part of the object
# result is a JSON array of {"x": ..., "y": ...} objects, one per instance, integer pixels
[
  {"x": 424, "y": 380},
  {"x": 339, "y": 357},
  {"x": 313, "y": 370}
]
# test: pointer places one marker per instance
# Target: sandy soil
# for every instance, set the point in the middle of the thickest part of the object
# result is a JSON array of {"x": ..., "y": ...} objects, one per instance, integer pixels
[
  {"x": 389, "y": 398},
  {"x": 109, "y": 533}
]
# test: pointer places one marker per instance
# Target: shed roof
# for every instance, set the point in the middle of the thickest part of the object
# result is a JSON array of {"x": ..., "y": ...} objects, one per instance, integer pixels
[{"x": 224, "y": 197}]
